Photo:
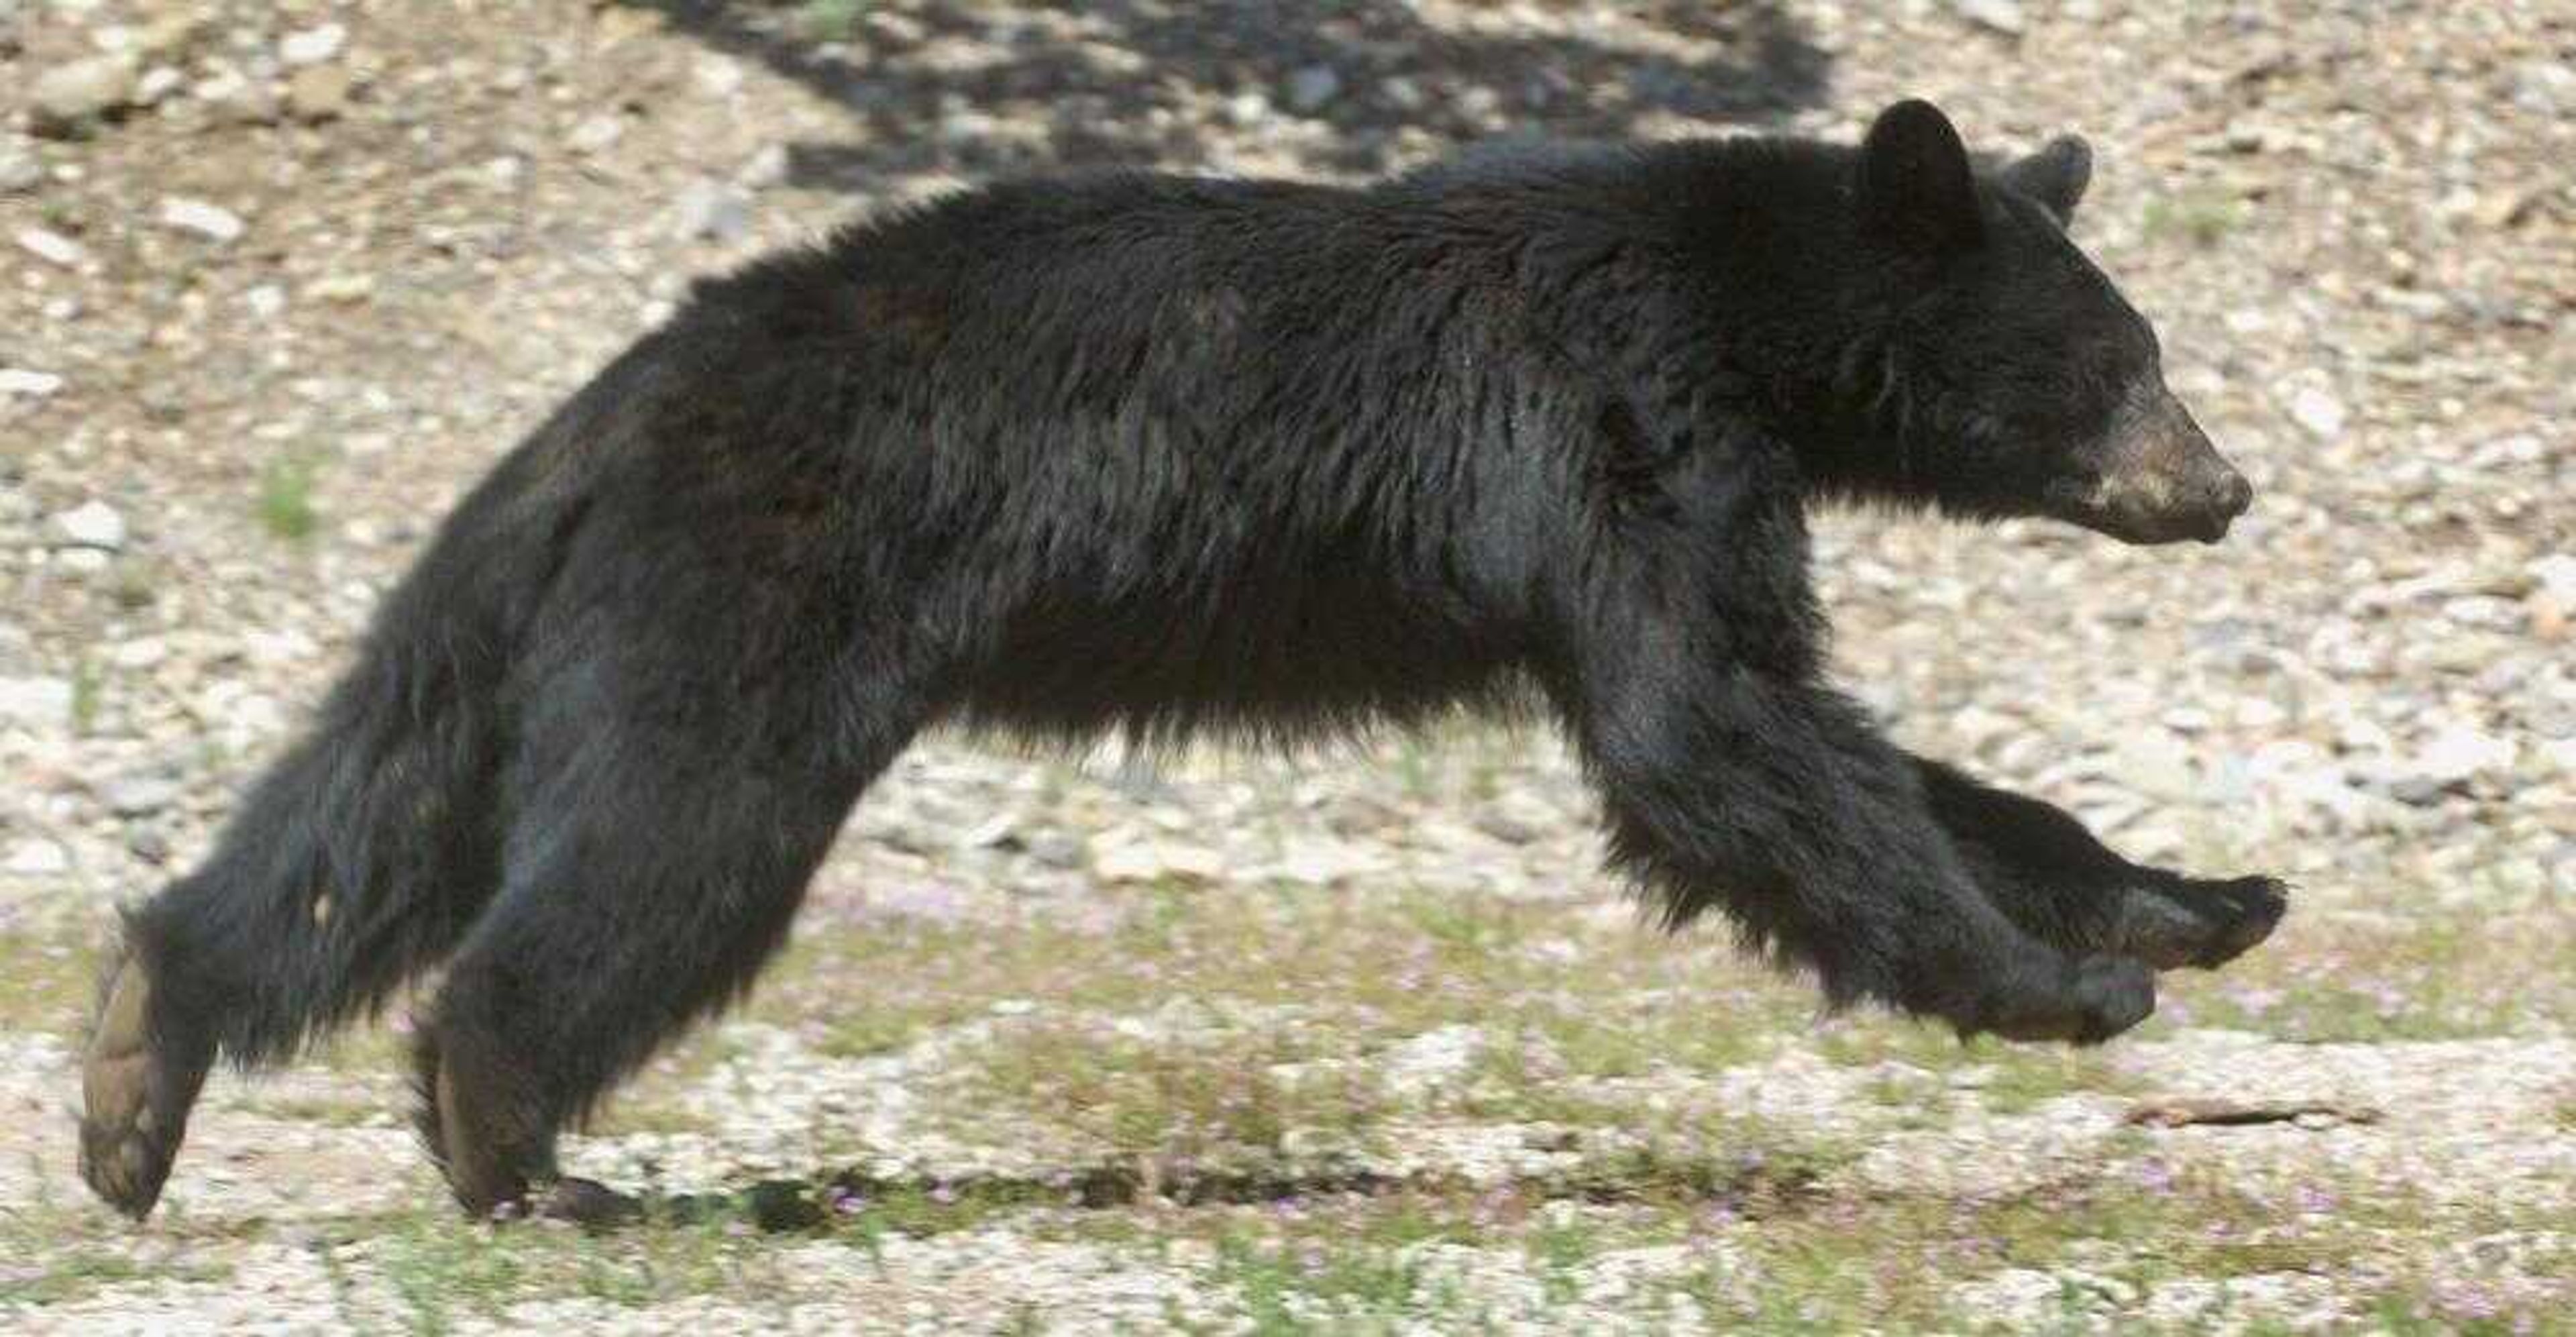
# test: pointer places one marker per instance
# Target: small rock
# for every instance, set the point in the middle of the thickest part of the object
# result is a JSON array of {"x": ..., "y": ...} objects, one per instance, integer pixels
[
  {"x": 1248, "y": 108},
  {"x": 1055, "y": 849},
  {"x": 1311, "y": 88},
  {"x": 717, "y": 76},
  {"x": 1317, "y": 862},
  {"x": 165, "y": 38},
  {"x": 2157, "y": 765},
  {"x": 37, "y": 857},
  {"x": 1505, "y": 827},
  {"x": 143, "y": 652},
  {"x": 52, "y": 247},
  {"x": 2318, "y": 411},
  {"x": 36, "y": 703},
  {"x": 26, "y": 383},
  {"x": 19, "y": 170},
  {"x": 313, "y": 45},
  {"x": 1149, "y": 860},
  {"x": 2546, "y": 88},
  {"x": 2445, "y": 765},
  {"x": 318, "y": 93},
  {"x": 237, "y": 99},
  {"x": 265, "y": 301},
  {"x": 2003, "y": 16},
  {"x": 766, "y": 169},
  {"x": 140, "y": 795},
  {"x": 211, "y": 221},
  {"x": 2555, "y": 576},
  {"x": 72, "y": 94},
  {"x": 710, "y": 211},
  {"x": 149, "y": 845},
  {"x": 595, "y": 134},
  {"x": 1433, "y": 1058},
  {"x": 341, "y": 288},
  {"x": 997, "y": 832},
  {"x": 92, "y": 524},
  {"x": 157, "y": 83}
]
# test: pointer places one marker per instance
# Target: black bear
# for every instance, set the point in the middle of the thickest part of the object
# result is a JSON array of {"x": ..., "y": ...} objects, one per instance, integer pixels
[{"x": 1180, "y": 456}]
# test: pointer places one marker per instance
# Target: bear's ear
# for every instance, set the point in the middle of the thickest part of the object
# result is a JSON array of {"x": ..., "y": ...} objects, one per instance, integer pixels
[
  {"x": 2055, "y": 176},
  {"x": 1915, "y": 186}
]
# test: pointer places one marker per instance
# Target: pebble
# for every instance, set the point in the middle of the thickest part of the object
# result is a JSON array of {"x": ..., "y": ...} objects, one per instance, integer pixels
[
  {"x": 2319, "y": 412},
  {"x": 2546, "y": 87},
  {"x": 37, "y": 857},
  {"x": 75, "y": 93},
  {"x": 765, "y": 169},
  {"x": 36, "y": 703},
  {"x": 1149, "y": 860},
  {"x": 92, "y": 524},
  {"x": 2446, "y": 764},
  {"x": 313, "y": 45},
  {"x": 139, "y": 795},
  {"x": 596, "y": 134},
  {"x": 710, "y": 211},
  {"x": 2003, "y": 16},
  {"x": 341, "y": 288},
  {"x": 20, "y": 171},
  {"x": 318, "y": 93},
  {"x": 26, "y": 383},
  {"x": 210, "y": 221},
  {"x": 1311, "y": 88},
  {"x": 157, "y": 84},
  {"x": 1432, "y": 1059},
  {"x": 2555, "y": 576},
  {"x": 238, "y": 99},
  {"x": 717, "y": 76},
  {"x": 52, "y": 247}
]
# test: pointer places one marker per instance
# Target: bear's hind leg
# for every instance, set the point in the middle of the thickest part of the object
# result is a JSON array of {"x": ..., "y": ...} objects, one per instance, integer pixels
[{"x": 647, "y": 882}]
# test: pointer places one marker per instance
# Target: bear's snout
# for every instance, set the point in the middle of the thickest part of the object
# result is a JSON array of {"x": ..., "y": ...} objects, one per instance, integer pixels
[{"x": 2157, "y": 479}]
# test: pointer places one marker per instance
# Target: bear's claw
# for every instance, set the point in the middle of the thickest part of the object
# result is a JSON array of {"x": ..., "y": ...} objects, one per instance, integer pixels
[{"x": 2198, "y": 923}]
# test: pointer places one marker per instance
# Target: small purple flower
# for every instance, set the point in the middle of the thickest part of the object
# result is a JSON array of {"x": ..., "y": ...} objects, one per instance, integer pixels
[
  {"x": 2156, "y": 1177},
  {"x": 2466, "y": 1300}
]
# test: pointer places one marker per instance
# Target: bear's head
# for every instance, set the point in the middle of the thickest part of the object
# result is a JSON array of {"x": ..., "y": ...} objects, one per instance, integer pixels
[{"x": 2009, "y": 377}]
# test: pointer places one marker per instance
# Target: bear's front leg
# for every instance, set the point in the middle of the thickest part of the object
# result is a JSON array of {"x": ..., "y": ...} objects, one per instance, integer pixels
[
  {"x": 2054, "y": 879},
  {"x": 1770, "y": 799}
]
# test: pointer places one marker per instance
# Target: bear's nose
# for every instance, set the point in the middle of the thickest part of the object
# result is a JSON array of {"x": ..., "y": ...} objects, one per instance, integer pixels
[{"x": 2232, "y": 495}]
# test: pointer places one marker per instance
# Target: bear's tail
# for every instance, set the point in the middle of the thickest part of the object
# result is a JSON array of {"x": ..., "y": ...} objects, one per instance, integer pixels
[{"x": 356, "y": 861}]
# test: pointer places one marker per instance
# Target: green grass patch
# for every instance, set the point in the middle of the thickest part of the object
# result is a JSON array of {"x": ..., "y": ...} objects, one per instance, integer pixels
[
  {"x": 1172, "y": 1100},
  {"x": 444, "y": 1269},
  {"x": 47, "y": 985},
  {"x": 317, "y": 1110},
  {"x": 285, "y": 504},
  {"x": 51, "y": 1254},
  {"x": 2372, "y": 981},
  {"x": 828, "y": 20},
  {"x": 2200, "y": 217}
]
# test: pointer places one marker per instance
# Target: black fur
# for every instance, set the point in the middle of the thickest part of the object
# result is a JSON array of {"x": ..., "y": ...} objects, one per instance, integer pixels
[{"x": 1179, "y": 457}]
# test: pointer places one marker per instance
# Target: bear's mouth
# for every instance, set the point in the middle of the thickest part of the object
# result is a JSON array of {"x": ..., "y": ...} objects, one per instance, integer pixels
[
  {"x": 2152, "y": 478},
  {"x": 2144, "y": 514}
]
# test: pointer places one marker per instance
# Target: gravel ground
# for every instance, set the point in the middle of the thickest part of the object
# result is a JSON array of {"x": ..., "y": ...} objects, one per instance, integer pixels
[{"x": 1358, "y": 1040}]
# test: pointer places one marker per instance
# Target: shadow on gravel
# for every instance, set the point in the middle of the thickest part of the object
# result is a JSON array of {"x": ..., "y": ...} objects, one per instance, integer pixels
[
  {"x": 1131, "y": 82},
  {"x": 1751, "y": 1188}
]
